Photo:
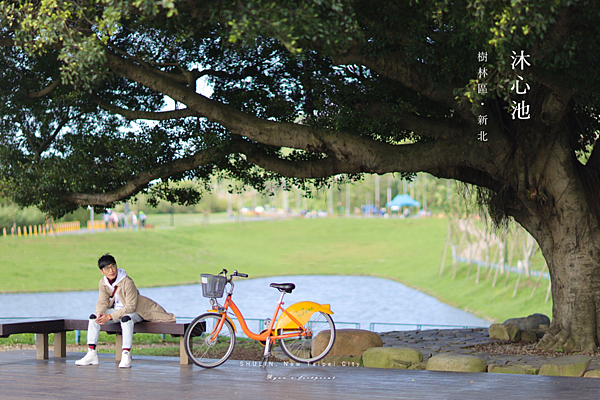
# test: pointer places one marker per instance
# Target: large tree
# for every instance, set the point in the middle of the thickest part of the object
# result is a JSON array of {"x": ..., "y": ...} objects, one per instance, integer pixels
[{"x": 499, "y": 94}]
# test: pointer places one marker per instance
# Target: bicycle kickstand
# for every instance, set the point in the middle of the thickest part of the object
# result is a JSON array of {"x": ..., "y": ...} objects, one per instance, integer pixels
[{"x": 266, "y": 354}]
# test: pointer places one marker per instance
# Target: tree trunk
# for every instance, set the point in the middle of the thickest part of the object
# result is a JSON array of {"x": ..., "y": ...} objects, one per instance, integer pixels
[
  {"x": 558, "y": 214},
  {"x": 574, "y": 264}
]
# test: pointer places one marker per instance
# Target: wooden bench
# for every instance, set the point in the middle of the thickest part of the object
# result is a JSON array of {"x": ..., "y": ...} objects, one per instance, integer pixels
[
  {"x": 42, "y": 329},
  {"x": 60, "y": 327},
  {"x": 172, "y": 329}
]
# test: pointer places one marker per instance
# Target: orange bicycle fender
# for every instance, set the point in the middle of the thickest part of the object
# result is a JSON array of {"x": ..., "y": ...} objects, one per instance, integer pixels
[
  {"x": 228, "y": 319},
  {"x": 302, "y": 312}
]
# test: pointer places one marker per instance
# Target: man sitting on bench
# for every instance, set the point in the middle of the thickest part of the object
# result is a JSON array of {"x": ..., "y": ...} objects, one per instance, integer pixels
[{"x": 119, "y": 300}]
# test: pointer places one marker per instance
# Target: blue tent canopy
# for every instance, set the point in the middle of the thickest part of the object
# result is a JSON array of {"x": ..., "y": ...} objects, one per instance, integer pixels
[{"x": 403, "y": 200}]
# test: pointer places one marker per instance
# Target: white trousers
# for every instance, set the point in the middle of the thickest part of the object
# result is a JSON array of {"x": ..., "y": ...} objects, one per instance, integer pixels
[{"x": 126, "y": 329}]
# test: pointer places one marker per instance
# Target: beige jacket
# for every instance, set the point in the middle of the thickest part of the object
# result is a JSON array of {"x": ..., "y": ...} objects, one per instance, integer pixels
[{"x": 132, "y": 302}]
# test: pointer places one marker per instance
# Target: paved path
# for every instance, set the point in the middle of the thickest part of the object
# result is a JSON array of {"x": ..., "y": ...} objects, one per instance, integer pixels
[{"x": 24, "y": 377}]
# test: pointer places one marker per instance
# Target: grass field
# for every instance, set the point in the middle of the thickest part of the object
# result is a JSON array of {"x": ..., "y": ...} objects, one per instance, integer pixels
[{"x": 407, "y": 251}]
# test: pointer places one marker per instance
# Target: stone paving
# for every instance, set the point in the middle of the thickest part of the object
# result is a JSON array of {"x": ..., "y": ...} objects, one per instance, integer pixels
[{"x": 436, "y": 341}]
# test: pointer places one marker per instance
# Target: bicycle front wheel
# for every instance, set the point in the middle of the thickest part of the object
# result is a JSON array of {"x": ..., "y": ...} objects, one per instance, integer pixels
[
  {"x": 311, "y": 349},
  {"x": 205, "y": 345}
]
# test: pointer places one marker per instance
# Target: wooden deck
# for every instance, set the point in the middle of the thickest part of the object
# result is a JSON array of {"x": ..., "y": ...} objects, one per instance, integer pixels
[{"x": 24, "y": 377}]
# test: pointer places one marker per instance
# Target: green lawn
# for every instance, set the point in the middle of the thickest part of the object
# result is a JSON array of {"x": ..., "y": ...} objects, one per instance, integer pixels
[
  {"x": 179, "y": 220},
  {"x": 407, "y": 251}
]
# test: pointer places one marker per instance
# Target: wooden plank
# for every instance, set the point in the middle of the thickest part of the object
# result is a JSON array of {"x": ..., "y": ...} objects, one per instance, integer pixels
[
  {"x": 164, "y": 378},
  {"x": 48, "y": 326},
  {"x": 183, "y": 357},
  {"x": 41, "y": 346},
  {"x": 118, "y": 346},
  {"x": 76, "y": 324},
  {"x": 173, "y": 329},
  {"x": 161, "y": 327},
  {"x": 60, "y": 344}
]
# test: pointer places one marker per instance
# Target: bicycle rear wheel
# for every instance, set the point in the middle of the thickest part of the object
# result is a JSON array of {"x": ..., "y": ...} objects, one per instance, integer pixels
[
  {"x": 206, "y": 347},
  {"x": 312, "y": 349}
]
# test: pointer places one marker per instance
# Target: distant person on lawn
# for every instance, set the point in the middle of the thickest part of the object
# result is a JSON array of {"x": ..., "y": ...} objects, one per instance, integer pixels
[{"x": 119, "y": 301}]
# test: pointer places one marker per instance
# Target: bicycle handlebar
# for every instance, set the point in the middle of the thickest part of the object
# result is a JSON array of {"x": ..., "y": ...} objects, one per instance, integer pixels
[{"x": 235, "y": 273}]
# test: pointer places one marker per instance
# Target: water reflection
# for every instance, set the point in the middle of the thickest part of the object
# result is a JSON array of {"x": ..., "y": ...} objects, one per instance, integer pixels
[{"x": 356, "y": 299}]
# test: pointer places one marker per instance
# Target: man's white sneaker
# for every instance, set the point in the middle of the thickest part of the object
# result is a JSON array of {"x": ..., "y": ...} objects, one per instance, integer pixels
[
  {"x": 91, "y": 358},
  {"x": 125, "y": 359}
]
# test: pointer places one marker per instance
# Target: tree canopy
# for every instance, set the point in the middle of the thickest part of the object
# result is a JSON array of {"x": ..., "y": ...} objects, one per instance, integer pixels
[
  {"x": 499, "y": 94},
  {"x": 371, "y": 75}
]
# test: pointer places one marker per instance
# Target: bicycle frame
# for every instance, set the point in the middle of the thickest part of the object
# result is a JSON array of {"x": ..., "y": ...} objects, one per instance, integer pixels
[{"x": 267, "y": 334}]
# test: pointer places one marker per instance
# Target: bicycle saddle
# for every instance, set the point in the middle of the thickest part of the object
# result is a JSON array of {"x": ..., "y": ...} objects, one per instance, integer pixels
[{"x": 284, "y": 287}]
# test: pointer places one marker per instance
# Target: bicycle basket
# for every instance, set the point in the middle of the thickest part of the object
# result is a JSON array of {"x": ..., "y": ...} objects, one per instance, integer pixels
[{"x": 213, "y": 286}]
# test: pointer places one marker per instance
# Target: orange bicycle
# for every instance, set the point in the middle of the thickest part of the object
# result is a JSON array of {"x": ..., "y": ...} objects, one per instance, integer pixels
[{"x": 305, "y": 330}]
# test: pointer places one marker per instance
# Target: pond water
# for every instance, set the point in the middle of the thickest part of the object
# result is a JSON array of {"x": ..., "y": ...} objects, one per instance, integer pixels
[{"x": 354, "y": 299}]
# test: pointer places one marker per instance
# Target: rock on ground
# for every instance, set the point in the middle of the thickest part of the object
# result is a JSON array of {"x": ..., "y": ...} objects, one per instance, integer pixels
[
  {"x": 505, "y": 332},
  {"x": 513, "y": 369},
  {"x": 348, "y": 342},
  {"x": 594, "y": 373},
  {"x": 391, "y": 357},
  {"x": 566, "y": 366},
  {"x": 457, "y": 363},
  {"x": 529, "y": 323}
]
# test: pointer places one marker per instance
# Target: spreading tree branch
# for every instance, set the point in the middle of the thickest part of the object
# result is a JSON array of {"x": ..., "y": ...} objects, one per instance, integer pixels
[
  {"x": 156, "y": 116},
  {"x": 322, "y": 168},
  {"x": 37, "y": 145},
  {"x": 410, "y": 158},
  {"x": 468, "y": 175},
  {"x": 395, "y": 67},
  {"x": 422, "y": 126},
  {"x": 425, "y": 126},
  {"x": 371, "y": 155},
  {"x": 46, "y": 143},
  {"x": 188, "y": 77},
  {"x": 45, "y": 91},
  {"x": 142, "y": 179},
  {"x": 302, "y": 169},
  {"x": 33, "y": 141}
]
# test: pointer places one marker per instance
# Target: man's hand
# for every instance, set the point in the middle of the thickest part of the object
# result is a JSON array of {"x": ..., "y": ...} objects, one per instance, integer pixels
[{"x": 101, "y": 319}]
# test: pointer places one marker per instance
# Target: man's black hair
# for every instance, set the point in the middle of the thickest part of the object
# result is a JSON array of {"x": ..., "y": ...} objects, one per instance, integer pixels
[{"x": 106, "y": 260}]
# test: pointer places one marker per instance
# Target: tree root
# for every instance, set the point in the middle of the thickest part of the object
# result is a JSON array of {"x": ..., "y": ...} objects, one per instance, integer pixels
[{"x": 563, "y": 340}]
